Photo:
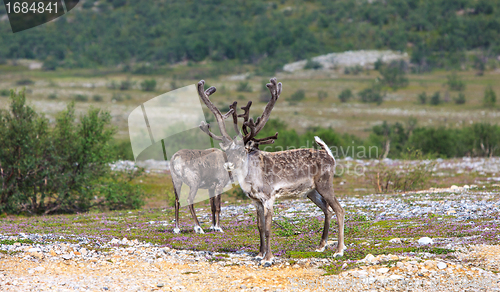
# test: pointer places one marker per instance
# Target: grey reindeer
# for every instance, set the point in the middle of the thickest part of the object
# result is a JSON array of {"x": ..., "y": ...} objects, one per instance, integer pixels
[
  {"x": 200, "y": 169},
  {"x": 266, "y": 176}
]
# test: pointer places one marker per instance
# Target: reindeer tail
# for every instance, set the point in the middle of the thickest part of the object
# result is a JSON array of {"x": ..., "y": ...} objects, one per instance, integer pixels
[{"x": 323, "y": 145}]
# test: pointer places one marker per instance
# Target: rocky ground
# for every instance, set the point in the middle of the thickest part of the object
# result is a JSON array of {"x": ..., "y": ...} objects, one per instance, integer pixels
[{"x": 123, "y": 265}]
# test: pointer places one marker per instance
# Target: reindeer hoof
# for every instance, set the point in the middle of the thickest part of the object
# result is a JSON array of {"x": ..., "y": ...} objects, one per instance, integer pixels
[
  {"x": 258, "y": 258},
  {"x": 267, "y": 264},
  {"x": 320, "y": 249},
  {"x": 216, "y": 229},
  {"x": 338, "y": 255},
  {"x": 177, "y": 230},
  {"x": 199, "y": 230}
]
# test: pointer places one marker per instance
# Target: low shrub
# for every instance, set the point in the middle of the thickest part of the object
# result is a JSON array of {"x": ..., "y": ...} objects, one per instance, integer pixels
[
  {"x": 345, "y": 95},
  {"x": 81, "y": 97},
  {"x": 97, "y": 98},
  {"x": 148, "y": 85},
  {"x": 298, "y": 95},
  {"x": 411, "y": 175},
  {"x": 64, "y": 168},
  {"x": 460, "y": 98},
  {"x": 243, "y": 86},
  {"x": 25, "y": 81}
]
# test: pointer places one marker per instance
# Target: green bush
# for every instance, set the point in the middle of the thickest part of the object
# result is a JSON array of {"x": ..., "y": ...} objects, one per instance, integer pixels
[
  {"x": 81, "y": 97},
  {"x": 436, "y": 98},
  {"x": 422, "y": 98},
  {"x": 97, "y": 98},
  {"x": 322, "y": 95},
  {"x": 460, "y": 98},
  {"x": 310, "y": 64},
  {"x": 60, "y": 169},
  {"x": 394, "y": 75},
  {"x": 148, "y": 85},
  {"x": 490, "y": 98},
  {"x": 243, "y": 86},
  {"x": 409, "y": 176},
  {"x": 4, "y": 92},
  {"x": 25, "y": 81},
  {"x": 345, "y": 95},
  {"x": 455, "y": 83},
  {"x": 126, "y": 84},
  {"x": 297, "y": 95},
  {"x": 372, "y": 95}
]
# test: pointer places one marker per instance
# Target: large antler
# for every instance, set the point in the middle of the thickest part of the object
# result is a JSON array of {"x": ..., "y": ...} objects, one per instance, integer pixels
[
  {"x": 204, "y": 94},
  {"x": 260, "y": 122}
]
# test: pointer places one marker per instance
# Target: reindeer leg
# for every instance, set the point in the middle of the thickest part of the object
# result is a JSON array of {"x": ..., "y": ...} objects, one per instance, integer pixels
[
  {"x": 323, "y": 205},
  {"x": 260, "y": 224},
  {"x": 192, "y": 193},
  {"x": 339, "y": 213},
  {"x": 177, "y": 189},
  {"x": 268, "y": 214},
  {"x": 217, "y": 213},
  {"x": 213, "y": 208}
]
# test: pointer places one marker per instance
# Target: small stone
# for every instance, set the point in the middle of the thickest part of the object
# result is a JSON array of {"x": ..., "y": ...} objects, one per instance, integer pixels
[
  {"x": 441, "y": 265},
  {"x": 466, "y": 187},
  {"x": 114, "y": 241},
  {"x": 424, "y": 241},
  {"x": 52, "y": 253},
  {"x": 35, "y": 249},
  {"x": 160, "y": 285},
  {"x": 369, "y": 258},
  {"x": 395, "y": 240},
  {"x": 295, "y": 266},
  {"x": 67, "y": 256},
  {"x": 83, "y": 251},
  {"x": 396, "y": 277},
  {"x": 382, "y": 270},
  {"x": 454, "y": 187}
]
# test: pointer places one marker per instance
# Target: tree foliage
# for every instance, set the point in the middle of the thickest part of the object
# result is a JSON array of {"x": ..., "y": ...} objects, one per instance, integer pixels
[
  {"x": 435, "y": 33},
  {"x": 64, "y": 168}
]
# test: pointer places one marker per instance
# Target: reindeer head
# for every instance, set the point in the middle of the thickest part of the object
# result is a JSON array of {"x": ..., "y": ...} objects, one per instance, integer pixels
[{"x": 245, "y": 142}]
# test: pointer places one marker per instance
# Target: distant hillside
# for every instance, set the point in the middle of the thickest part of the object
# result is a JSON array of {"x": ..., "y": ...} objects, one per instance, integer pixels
[{"x": 435, "y": 33}]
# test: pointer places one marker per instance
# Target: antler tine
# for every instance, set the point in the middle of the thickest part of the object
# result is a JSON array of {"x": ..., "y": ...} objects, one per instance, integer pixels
[
  {"x": 235, "y": 119},
  {"x": 274, "y": 137},
  {"x": 204, "y": 94},
  {"x": 206, "y": 128},
  {"x": 251, "y": 125},
  {"x": 275, "y": 89},
  {"x": 245, "y": 116}
]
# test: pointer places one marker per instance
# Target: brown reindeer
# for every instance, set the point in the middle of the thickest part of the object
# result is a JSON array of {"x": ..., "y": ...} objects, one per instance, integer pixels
[{"x": 265, "y": 176}]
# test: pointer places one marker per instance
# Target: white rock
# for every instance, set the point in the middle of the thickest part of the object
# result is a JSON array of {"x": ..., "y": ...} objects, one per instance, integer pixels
[
  {"x": 424, "y": 241},
  {"x": 395, "y": 240},
  {"x": 34, "y": 249},
  {"x": 114, "y": 241},
  {"x": 454, "y": 187},
  {"x": 466, "y": 187},
  {"x": 396, "y": 277},
  {"x": 369, "y": 258},
  {"x": 382, "y": 270},
  {"x": 67, "y": 256},
  {"x": 441, "y": 265}
]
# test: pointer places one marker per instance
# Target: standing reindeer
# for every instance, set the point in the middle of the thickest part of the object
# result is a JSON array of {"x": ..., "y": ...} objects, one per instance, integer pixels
[
  {"x": 265, "y": 176},
  {"x": 200, "y": 169}
]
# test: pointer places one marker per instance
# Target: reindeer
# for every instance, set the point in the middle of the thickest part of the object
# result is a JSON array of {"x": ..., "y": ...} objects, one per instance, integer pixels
[
  {"x": 200, "y": 169},
  {"x": 266, "y": 176}
]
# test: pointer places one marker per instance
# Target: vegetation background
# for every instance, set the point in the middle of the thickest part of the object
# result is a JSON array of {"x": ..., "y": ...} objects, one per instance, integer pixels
[{"x": 113, "y": 55}]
